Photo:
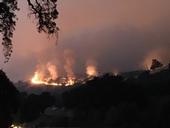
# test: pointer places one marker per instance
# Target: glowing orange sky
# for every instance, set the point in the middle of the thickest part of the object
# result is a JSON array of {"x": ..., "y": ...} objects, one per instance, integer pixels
[{"x": 123, "y": 25}]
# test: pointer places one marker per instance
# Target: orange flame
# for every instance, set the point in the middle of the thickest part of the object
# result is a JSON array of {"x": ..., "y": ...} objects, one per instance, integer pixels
[
  {"x": 52, "y": 71},
  {"x": 47, "y": 75},
  {"x": 70, "y": 81},
  {"x": 69, "y": 64},
  {"x": 91, "y": 68}
]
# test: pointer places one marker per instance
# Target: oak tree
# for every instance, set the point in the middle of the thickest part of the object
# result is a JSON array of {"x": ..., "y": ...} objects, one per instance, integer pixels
[{"x": 44, "y": 11}]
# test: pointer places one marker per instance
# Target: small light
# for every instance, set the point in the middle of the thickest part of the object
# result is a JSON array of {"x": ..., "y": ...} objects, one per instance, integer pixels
[{"x": 15, "y": 126}]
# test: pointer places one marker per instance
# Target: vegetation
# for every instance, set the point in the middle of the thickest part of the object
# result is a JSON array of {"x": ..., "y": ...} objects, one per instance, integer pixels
[
  {"x": 33, "y": 105},
  {"x": 44, "y": 11},
  {"x": 9, "y": 100},
  {"x": 116, "y": 101},
  {"x": 140, "y": 100}
]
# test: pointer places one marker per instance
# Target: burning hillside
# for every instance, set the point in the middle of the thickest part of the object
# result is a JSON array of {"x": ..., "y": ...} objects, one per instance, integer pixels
[
  {"x": 91, "y": 68},
  {"x": 47, "y": 74}
]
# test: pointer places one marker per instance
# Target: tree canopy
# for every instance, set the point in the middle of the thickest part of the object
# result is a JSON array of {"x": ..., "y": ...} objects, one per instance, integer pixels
[
  {"x": 156, "y": 64},
  {"x": 44, "y": 11},
  {"x": 9, "y": 100}
]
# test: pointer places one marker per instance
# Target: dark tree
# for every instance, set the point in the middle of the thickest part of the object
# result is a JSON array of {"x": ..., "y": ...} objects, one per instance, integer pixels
[
  {"x": 121, "y": 102},
  {"x": 8, "y": 100},
  {"x": 33, "y": 105},
  {"x": 45, "y": 13},
  {"x": 156, "y": 64}
]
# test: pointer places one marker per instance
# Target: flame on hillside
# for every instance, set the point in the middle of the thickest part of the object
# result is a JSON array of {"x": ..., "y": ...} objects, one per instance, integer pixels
[
  {"x": 91, "y": 69},
  {"x": 69, "y": 64},
  {"x": 48, "y": 75}
]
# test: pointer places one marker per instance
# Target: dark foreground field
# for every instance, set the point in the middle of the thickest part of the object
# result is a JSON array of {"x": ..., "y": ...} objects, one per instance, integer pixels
[{"x": 137, "y": 99}]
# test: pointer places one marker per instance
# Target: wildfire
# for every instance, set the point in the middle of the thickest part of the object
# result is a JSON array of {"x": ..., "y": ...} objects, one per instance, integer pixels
[
  {"x": 48, "y": 75},
  {"x": 91, "y": 70},
  {"x": 69, "y": 64},
  {"x": 37, "y": 79},
  {"x": 70, "y": 81},
  {"x": 148, "y": 59}
]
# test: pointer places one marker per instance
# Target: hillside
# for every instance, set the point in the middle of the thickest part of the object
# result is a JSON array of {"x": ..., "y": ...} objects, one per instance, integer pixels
[{"x": 132, "y": 99}]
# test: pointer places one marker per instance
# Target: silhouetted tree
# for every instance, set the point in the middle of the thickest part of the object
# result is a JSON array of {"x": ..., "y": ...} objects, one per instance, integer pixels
[
  {"x": 44, "y": 11},
  {"x": 9, "y": 100},
  {"x": 156, "y": 64},
  {"x": 33, "y": 105}
]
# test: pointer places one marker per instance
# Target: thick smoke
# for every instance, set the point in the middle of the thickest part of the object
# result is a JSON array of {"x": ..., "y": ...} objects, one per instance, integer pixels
[
  {"x": 52, "y": 69},
  {"x": 120, "y": 49},
  {"x": 69, "y": 63},
  {"x": 91, "y": 68},
  {"x": 119, "y": 35}
]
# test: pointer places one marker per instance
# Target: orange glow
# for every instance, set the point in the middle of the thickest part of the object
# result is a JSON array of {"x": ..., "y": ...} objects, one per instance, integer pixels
[
  {"x": 52, "y": 71},
  {"x": 70, "y": 81},
  {"x": 155, "y": 54},
  {"x": 91, "y": 70},
  {"x": 47, "y": 75},
  {"x": 115, "y": 72},
  {"x": 38, "y": 79}
]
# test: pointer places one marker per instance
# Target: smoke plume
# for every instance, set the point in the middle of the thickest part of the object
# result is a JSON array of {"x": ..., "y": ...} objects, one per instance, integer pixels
[{"x": 69, "y": 63}]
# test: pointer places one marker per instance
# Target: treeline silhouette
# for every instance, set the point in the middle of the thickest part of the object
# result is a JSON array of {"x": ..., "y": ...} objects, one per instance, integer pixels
[
  {"x": 33, "y": 105},
  {"x": 141, "y": 100},
  {"x": 9, "y": 100},
  {"x": 20, "y": 107},
  {"x": 116, "y": 101}
]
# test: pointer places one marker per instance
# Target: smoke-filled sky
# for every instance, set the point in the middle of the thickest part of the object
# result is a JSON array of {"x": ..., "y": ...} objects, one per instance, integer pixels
[{"x": 115, "y": 34}]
